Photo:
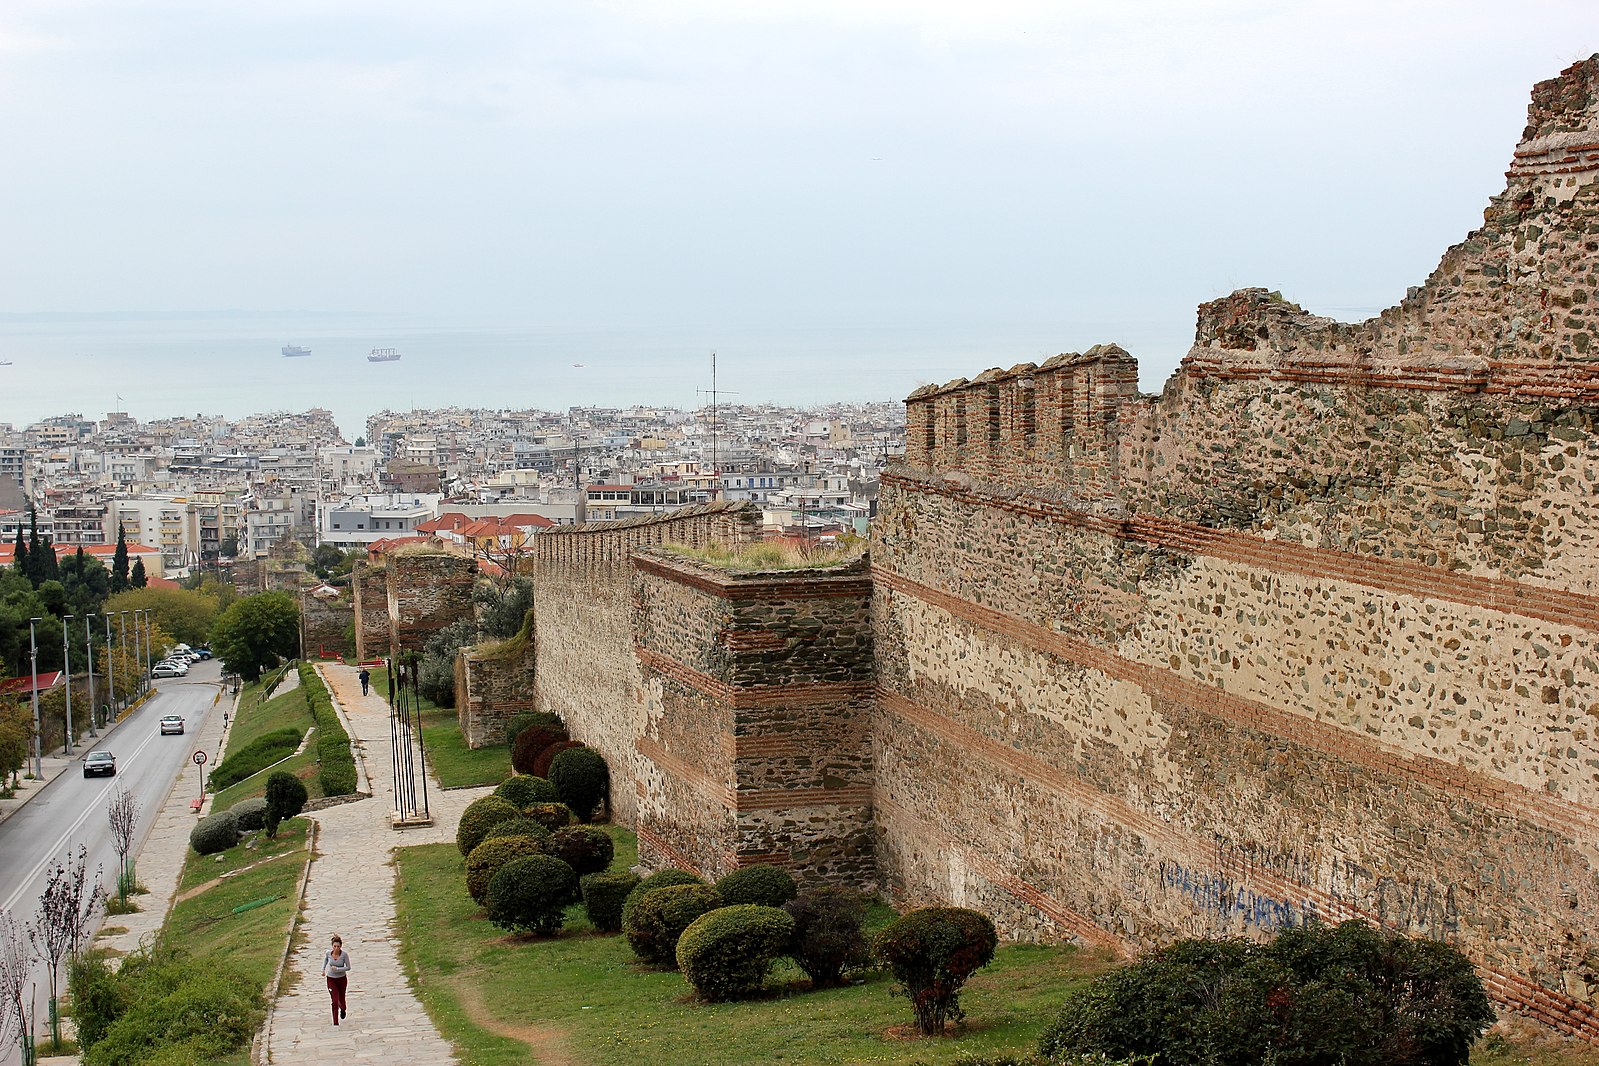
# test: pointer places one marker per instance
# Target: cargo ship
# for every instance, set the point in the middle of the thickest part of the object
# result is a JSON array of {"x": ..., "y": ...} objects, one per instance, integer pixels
[
  {"x": 382, "y": 355},
  {"x": 294, "y": 349}
]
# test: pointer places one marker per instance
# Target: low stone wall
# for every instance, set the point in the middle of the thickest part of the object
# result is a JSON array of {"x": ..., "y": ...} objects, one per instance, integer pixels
[
  {"x": 426, "y": 592},
  {"x": 493, "y": 684}
]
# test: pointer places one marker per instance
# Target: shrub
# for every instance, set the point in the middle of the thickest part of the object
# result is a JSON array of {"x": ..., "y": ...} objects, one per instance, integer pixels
[
  {"x": 551, "y": 816},
  {"x": 480, "y": 816},
  {"x": 660, "y": 916},
  {"x": 658, "y": 879},
  {"x": 582, "y": 847},
  {"x": 521, "y": 723},
  {"x": 215, "y": 832},
  {"x": 1346, "y": 994},
  {"x": 726, "y": 953},
  {"x": 546, "y": 758},
  {"x": 524, "y": 791},
  {"x": 530, "y": 744},
  {"x": 603, "y": 896},
  {"x": 255, "y": 756},
  {"x": 97, "y": 996},
  {"x": 760, "y": 883},
  {"x": 581, "y": 779},
  {"x": 488, "y": 857},
  {"x": 163, "y": 1008},
  {"x": 931, "y": 952},
  {"x": 530, "y": 894},
  {"x": 251, "y": 813},
  {"x": 517, "y": 827},
  {"x": 285, "y": 798},
  {"x": 828, "y": 934},
  {"x": 332, "y": 742}
]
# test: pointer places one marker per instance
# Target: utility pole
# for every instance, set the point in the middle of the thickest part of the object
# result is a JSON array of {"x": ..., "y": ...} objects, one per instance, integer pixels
[
  {"x": 122, "y": 630},
  {"x": 714, "y": 394},
  {"x": 66, "y": 671},
  {"x": 88, "y": 649},
  {"x": 136, "y": 656},
  {"x": 33, "y": 656}
]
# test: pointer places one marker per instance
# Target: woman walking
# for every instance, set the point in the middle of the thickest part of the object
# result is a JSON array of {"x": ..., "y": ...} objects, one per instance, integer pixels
[{"x": 336, "y": 968}]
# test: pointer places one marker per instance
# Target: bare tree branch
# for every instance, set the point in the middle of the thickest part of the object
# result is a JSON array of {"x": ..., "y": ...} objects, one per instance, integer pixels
[
  {"x": 123, "y": 813},
  {"x": 16, "y": 969},
  {"x": 65, "y": 911}
]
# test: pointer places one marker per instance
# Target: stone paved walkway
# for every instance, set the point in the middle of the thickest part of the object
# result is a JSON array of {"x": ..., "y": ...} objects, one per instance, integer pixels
[{"x": 351, "y": 893}]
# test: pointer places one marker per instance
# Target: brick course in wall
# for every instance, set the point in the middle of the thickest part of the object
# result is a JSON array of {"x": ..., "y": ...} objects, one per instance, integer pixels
[
  {"x": 370, "y": 592},
  {"x": 1313, "y": 633}
]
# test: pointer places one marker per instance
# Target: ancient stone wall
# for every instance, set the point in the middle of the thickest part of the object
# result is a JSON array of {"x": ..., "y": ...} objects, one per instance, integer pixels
[
  {"x": 1314, "y": 632},
  {"x": 493, "y": 684},
  {"x": 585, "y": 667},
  {"x": 758, "y": 698},
  {"x": 426, "y": 592},
  {"x": 325, "y": 625},
  {"x": 370, "y": 592}
]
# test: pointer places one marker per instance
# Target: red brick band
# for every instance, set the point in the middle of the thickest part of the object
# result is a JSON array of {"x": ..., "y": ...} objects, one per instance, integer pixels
[
  {"x": 806, "y": 585},
  {"x": 654, "y": 842},
  {"x": 1395, "y": 576},
  {"x": 810, "y": 694},
  {"x": 1550, "y": 812}
]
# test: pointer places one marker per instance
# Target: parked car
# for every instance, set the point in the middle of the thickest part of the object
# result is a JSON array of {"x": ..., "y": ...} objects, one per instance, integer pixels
[
  {"x": 171, "y": 723},
  {"x": 202, "y": 651},
  {"x": 101, "y": 763},
  {"x": 169, "y": 670}
]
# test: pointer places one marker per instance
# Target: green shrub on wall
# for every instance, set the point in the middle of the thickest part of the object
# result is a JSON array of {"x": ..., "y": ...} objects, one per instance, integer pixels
[
  {"x": 517, "y": 827},
  {"x": 726, "y": 953},
  {"x": 524, "y": 790},
  {"x": 582, "y": 847},
  {"x": 488, "y": 857},
  {"x": 530, "y": 744},
  {"x": 530, "y": 894},
  {"x": 551, "y": 816}
]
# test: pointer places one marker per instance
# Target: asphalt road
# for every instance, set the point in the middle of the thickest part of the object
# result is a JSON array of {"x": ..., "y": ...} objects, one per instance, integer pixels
[{"x": 71, "y": 810}]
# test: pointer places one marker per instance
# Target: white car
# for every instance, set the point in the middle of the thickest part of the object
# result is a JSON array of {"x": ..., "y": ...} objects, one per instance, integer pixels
[{"x": 172, "y": 723}]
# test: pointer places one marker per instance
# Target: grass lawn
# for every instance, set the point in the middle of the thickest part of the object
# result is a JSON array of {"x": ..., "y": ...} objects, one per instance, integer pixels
[
  {"x": 582, "y": 998},
  {"x": 258, "y": 716},
  {"x": 205, "y": 924},
  {"x": 454, "y": 764}
]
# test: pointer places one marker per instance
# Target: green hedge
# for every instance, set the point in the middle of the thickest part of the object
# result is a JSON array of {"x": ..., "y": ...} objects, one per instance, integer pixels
[
  {"x": 332, "y": 742},
  {"x": 162, "y": 1007},
  {"x": 255, "y": 756}
]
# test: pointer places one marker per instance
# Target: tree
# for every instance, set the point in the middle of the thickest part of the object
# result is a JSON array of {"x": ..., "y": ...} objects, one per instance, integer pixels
[
  {"x": 16, "y": 974},
  {"x": 255, "y": 633},
  {"x": 137, "y": 578},
  {"x": 58, "y": 930},
  {"x": 16, "y": 734},
  {"x": 119, "y": 562},
  {"x": 184, "y": 614},
  {"x": 19, "y": 553},
  {"x": 123, "y": 814},
  {"x": 229, "y": 546}
]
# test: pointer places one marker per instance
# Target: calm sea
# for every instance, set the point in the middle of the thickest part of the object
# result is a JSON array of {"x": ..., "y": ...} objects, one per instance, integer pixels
[{"x": 156, "y": 366}]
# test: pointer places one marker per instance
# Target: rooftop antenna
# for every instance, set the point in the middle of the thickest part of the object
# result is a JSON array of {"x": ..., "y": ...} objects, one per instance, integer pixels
[{"x": 716, "y": 475}]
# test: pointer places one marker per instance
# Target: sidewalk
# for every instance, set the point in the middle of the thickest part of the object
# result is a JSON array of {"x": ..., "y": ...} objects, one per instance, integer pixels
[{"x": 351, "y": 892}]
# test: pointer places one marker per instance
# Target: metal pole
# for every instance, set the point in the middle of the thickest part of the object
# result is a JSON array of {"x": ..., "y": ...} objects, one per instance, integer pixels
[
  {"x": 66, "y": 671},
  {"x": 88, "y": 649},
  {"x": 147, "y": 638},
  {"x": 137, "y": 658},
  {"x": 122, "y": 630},
  {"x": 421, "y": 751},
  {"x": 394, "y": 739},
  {"x": 33, "y": 655}
]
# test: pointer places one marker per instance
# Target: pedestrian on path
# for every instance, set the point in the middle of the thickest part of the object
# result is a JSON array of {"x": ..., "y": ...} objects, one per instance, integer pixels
[
  {"x": 336, "y": 967},
  {"x": 366, "y": 679}
]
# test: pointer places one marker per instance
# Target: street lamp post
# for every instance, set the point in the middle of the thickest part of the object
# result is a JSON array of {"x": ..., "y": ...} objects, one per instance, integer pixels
[
  {"x": 66, "y": 671},
  {"x": 88, "y": 650},
  {"x": 122, "y": 629},
  {"x": 110, "y": 670},
  {"x": 33, "y": 656},
  {"x": 137, "y": 658},
  {"x": 147, "y": 639}
]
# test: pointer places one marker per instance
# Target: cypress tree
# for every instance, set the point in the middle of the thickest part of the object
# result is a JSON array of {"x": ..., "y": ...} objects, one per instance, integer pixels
[
  {"x": 35, "y": 569},
  {"x": 119, "y": 562},
  {"x": 137, "y": 579},
  {"x": 49, "y": 565},
  {"x": 20, "y": 553}
]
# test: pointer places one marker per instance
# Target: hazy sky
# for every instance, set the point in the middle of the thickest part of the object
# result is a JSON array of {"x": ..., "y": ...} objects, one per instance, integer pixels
[{"x": 759, "y": 164}]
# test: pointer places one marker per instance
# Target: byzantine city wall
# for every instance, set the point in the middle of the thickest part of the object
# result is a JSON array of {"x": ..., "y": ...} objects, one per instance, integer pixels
[{"x": 1313, "y": 633}]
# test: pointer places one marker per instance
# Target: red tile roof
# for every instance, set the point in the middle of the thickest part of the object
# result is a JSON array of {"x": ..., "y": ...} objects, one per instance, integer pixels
[{"x": 23, "y": 686}]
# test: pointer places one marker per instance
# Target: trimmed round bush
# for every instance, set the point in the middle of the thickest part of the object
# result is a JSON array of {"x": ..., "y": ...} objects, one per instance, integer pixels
[
  {"x": 215, "y": 832},
  {"x": 660, "y": 916},
  {"x": 530, "y": 894},
  {"x": 603, "y": 896},
  {"x": 551, "y": 816},
  {"x": 760, "y": 883},
  {"x": 581, "y": 780},
  {"x": 726, "y": 953},
  {"x": 517, "y": 827},
  {"x": 285, "y": 794},
  {"x": 523, "y": 791},
  {"x": 526, "y": 720},
  {"x": 530, "y": 744},
  {"x": 546, "y": 758},
  {"x": 488, "y": 857},
  {"x": 932, "y": 951},
  {"x": 658, "y": 879},
  {"x": 582, "y": 847},
  {"x": 251, "y": 813},
  {"x": 828, "y": 933},
  {"x": 480, "y": 816}
]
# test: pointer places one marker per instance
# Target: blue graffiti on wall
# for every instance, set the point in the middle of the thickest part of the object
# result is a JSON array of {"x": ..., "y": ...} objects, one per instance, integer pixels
[{"x": 1225, "y": 897}]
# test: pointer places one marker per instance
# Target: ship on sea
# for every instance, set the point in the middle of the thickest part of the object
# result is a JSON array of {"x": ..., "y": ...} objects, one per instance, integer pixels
[
  {"x": 295, "y": 349},
  {"x": 382, "y": 355}
]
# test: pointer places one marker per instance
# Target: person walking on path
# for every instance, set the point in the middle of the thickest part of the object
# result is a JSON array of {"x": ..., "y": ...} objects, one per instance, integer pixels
[
  {"x": 336, "y": 967},
  {"x": 366, "y": 679}
]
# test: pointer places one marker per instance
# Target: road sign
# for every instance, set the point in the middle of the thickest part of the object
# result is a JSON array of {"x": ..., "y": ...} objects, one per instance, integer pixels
[{"x": 199, "y": 758}]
